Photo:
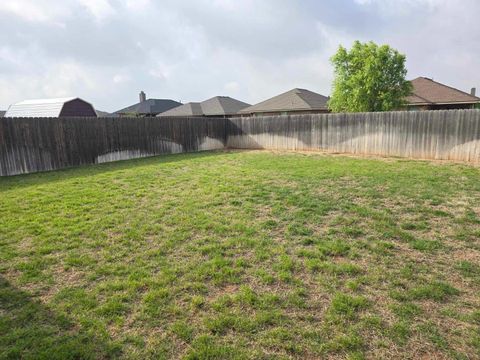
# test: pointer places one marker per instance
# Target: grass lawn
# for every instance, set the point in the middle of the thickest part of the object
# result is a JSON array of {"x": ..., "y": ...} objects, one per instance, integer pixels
[{"x": 227, "y": 255}]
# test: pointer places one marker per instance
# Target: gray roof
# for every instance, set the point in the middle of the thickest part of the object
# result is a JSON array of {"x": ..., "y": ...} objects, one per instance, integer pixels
[
  {"x": 38, "y": 107},
  {"x": 150, "y": 106},
  {"x": 216, "y": 106},
  {"x": 293, "y": 100},
  {"x": 188, "y": 109},
  {"x": 222, "y": 105},
  {"x": 101, "y": 113}
]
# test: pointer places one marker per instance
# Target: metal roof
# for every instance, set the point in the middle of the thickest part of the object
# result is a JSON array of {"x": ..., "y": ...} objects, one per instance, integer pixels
[
  {"x": 216, "y": 106},
  {"x": 293, "y": 100},
  {"x": 38, "y": 107}
]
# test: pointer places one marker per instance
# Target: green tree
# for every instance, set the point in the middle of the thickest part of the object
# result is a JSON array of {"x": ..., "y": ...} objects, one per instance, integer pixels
[{"x": 369, "y": 78}]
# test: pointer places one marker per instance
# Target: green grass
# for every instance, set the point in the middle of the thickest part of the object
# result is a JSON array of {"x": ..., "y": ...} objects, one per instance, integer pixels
[{"x": 241, "y": 255}]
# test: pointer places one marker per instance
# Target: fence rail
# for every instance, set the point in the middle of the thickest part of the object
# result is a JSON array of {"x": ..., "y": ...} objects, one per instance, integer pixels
[{"x": 41, "y": 144}]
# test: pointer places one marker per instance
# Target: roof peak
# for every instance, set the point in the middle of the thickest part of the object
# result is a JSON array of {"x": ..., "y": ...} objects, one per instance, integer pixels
[
  {"x": 215, "y": 106},
  {"x": 433, "y": 92},
  {"x": 296, "y": 99}
]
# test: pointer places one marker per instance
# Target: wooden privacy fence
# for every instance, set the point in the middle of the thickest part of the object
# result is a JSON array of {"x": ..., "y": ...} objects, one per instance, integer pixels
[
  {"x": 40, "y": 144},
  {"x": 448, "y": 134}
]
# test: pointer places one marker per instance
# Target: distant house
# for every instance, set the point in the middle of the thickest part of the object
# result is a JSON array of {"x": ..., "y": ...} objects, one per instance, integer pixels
[
  {"x": 295, "y": 101},
  {"x": 2, "y": 113},
  {"x": 105, "y": 114},
  {"x": 61, "y": 107},
  {"x": 148, "y": 107},
  {"x": 218, "y": 106},
  {"x": 431, "y": 95}
]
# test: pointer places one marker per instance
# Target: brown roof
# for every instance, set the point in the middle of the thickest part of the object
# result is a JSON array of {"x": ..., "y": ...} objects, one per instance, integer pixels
[
  {"x": 293, "y": 100},
  {"x": 427, "y": 91}
]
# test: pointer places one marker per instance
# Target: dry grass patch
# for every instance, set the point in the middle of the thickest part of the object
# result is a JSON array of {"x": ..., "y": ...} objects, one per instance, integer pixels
[{"x": 242, "y": 255}]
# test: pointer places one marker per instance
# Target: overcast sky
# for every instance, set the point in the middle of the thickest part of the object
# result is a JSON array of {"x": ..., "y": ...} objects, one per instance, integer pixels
[{"x": 106, "y": 51}]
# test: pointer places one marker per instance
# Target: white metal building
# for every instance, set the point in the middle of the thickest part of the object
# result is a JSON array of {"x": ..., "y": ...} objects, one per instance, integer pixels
[{"x": 60, "y": 107}]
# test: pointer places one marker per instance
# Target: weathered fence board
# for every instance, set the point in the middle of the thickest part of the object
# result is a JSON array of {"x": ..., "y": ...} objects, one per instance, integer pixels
[
  {"x": 449, "y": 134},
  {"x": 41, "y": 144},
  {"x": 30, "y": 145}
]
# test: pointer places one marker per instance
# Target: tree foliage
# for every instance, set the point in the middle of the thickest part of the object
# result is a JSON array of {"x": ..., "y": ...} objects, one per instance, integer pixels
[{"x": 369, "y": 78}]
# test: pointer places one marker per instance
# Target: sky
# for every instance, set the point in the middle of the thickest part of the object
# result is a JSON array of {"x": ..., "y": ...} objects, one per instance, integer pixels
[{"x": 107, "y": 51}]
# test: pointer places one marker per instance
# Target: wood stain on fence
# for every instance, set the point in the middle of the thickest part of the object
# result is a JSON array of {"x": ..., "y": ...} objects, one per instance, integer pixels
[
  {"x": 41, "y": 144},
  {"x": 442, "y": 135}
]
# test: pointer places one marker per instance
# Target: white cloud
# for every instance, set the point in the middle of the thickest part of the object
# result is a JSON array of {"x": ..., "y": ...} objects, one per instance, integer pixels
[
  {"x": 232, "y": 86},
  {"x": 33, "y": 10},
  {"x": 100, "y": 9},
  {"x": 121, "y": 78},
  {"x": 196, "y": 49},
  {"x": 137, "y": 5}
]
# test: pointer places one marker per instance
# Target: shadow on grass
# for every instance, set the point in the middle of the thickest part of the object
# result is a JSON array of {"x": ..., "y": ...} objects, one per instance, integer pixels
[
  {"x": 29, "y": 329},
  {"x": 25, "y": 180}
]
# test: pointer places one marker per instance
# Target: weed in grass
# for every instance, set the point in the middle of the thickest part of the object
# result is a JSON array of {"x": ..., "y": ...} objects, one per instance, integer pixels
[
  {"x": 183, "y": 331},
  {"x": 334, "y": 248},
  {"x": 347, "y": 306},
  {"x": 350, "y": 342},
  {"x": 468, "y": 269},
  {"x": 437, "y": 291},
  {"x": 425, "y": 245},
  {"x": 208, "y": 347},
  {"x": 406, "y": 311},
  {"x": 400, "y": 332}
]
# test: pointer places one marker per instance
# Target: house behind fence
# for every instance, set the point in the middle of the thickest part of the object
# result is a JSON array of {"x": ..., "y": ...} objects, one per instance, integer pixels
[
  {"x": 432, "y": 95},
  {"x": 147, "y": 107},
  {"x": 293, "y": 102}
]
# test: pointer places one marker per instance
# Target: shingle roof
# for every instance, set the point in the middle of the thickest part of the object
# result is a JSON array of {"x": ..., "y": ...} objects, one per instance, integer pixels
[
  {"x": 222, "y": 105},
  {"x": 216, "y": 106},
  {"x": 101, "y": 113},
  {"x": 38, "y": 107},
  {"x": 427, "y": 91},
  {"x": 150, "y": 106},
  {"x": 188, "y": 109},
  {"x": 293, "y": 100}
]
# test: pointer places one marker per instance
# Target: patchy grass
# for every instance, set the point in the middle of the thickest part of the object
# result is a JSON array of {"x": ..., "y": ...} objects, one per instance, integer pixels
[{"x": 242, "y": 255}]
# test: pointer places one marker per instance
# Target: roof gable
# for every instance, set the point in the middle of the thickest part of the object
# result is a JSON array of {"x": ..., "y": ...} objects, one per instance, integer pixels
[
  {"x": 293, "y": 100},
  {"x": 427, "y": 91}
]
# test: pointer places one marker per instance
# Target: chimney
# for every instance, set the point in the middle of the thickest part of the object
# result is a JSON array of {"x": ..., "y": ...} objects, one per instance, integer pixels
[
  {"x": 473, "y": 91},
  {"x": 142, "y": 96}
]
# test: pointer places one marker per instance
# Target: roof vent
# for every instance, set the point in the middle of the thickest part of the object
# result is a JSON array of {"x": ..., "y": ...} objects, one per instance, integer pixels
[
  {"x": 473, "y": 91},
  {"x": 142, "y": 96}
]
